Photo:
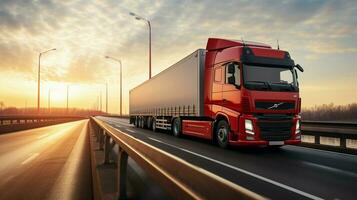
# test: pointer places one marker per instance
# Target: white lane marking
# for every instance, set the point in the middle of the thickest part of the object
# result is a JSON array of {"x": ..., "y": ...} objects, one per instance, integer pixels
[
  {"x": 115, "y": 122},
  {"x": 33, "y": 156},
  {"x": 130, "y": 130},
  {"x": 163, "y": 142},
  {"x": 302, "y": 193},
  {"x": 42, "y": 136},
  {"x": 336, "y": 170},
  {"x": 124, "y": 124}
]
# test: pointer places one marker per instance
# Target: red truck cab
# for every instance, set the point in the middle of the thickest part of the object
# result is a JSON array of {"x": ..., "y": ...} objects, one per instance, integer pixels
[{"x": 252, "y": 93}]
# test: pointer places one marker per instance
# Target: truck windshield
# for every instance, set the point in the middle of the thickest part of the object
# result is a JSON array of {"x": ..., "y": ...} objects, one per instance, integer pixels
[{"x": 269, "y": 78}]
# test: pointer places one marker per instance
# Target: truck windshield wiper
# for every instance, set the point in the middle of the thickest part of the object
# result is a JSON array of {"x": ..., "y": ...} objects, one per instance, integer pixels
[
  {"x": 292, "y": 88},
  {"x": 266, "y": 84}
]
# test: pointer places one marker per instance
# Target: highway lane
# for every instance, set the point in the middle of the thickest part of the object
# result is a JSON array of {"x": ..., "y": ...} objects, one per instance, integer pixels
[
  {"x": 52, "y": 162},
  {"x": 289, "y": 173}
]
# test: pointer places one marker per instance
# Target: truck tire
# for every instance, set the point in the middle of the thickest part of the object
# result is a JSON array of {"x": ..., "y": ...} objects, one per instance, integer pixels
[
  {"x": 222, "y": 133},
  {"x": 137, "y": 122},
  {"x": 141, "y": 122},
  {"x": 176, "y": 127},
  {"x": 149, "y": 123},
  {"x": 153, "y": 125}
]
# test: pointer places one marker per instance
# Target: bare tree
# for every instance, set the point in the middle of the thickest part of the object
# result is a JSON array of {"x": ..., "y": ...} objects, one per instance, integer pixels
[
  {"x": 1, "y": 105},
  {"x": 331, "y": 112}
]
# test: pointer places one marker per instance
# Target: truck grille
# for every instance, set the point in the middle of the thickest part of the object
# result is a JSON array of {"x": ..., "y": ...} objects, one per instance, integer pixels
[
  {"x": 275, "y": 130},
  {"x": 263, "y": 105}
]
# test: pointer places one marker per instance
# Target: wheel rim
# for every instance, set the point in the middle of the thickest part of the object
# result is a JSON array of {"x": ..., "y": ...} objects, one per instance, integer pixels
[
  {"x": 222, "y": 134},
  {"x": 154, "y": 125}
]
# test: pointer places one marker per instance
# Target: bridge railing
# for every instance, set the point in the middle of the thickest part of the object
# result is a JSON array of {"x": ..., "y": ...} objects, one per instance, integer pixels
[
  {"x": 21, "y": 122},
  {"x": 181, "y": 179},
  {"x": 333, "y": 136}
]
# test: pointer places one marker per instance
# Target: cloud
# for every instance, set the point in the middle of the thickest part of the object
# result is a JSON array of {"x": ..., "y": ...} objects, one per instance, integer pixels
[
  {"x": 330, "y": 47},
  {"x": 85, "y": 31}
]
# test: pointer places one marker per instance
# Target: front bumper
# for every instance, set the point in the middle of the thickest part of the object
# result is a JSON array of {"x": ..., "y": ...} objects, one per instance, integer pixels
[{"x": 272, "y": 137}]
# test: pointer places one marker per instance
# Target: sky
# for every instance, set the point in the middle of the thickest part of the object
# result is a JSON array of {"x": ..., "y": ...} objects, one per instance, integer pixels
[{"x": 321, "y": 36}]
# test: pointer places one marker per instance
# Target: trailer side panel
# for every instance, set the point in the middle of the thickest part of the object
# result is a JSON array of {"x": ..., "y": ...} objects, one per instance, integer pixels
[{"x": 175, "y": 91}]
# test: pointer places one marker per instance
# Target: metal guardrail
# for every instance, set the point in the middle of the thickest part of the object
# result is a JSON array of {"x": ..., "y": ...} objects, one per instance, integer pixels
[
  {"x": 22, "y": 122},
  {"x": 181, "y": 179},
  {"x": 117, "y": 116},
  {"x": 23, "y": 119},
  {"x": 340, "y": 124},
  {"x": 332, "y": 136}
]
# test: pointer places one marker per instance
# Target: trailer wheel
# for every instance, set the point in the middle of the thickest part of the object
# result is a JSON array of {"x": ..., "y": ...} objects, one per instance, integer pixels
[
  {"x": 149, "y": 123},
  {"x": 153, "y": 125},
  {"x": 141, "y": 122},
  {"x": 176, "y": 127},
  {"x": 222, "y": 132},
  {"x": 137, "y": 122}
]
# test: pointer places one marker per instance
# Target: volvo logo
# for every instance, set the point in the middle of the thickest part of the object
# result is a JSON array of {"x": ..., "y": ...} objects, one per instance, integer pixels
[{"x": 276, "y": 105}]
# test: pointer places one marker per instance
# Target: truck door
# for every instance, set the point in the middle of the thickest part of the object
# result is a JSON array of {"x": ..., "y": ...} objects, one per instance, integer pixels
[
  {"x": 217, "y": 84},
  {"x": 231, "y": 91}
]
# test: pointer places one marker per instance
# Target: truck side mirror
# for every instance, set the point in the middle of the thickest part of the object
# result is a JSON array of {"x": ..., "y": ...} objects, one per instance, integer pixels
[
  {"x": 299, "y": 67},
  {"x": 232, "y": 80},
  {"x": 231, "y": 68}
]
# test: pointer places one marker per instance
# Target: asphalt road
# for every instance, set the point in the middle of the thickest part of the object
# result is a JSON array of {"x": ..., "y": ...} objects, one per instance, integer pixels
[
  {"x": 291, "y": 172},
  {"x": 46, "y": 163}
]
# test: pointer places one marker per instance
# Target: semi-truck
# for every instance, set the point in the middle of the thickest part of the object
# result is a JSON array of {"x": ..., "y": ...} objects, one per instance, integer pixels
[{"x": 233, "y": 92}]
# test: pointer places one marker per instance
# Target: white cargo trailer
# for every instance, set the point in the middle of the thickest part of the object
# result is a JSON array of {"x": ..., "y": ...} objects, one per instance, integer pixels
[{"x": 178, "y": 90}]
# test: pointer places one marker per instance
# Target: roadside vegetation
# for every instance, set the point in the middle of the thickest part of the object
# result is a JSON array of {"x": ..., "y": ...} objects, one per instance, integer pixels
[{"x": 331, "y": 112}]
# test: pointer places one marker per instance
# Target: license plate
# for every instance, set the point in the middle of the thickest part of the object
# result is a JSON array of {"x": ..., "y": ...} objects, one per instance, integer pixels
[{"x": 276, "y": 143}]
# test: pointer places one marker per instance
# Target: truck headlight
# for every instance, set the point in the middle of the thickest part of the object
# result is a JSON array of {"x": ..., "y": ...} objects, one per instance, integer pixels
[
  {"x": 297, "y": 127},
  {"x": 249, "y": 126}
]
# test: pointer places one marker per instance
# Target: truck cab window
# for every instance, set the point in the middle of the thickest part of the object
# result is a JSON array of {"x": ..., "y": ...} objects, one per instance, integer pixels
[
  {"x": 233, "y": 70},
  {"x": 218, "y": 74},
  {"x": 270, "y": 78},
  {"x": 285, "y": 77}
]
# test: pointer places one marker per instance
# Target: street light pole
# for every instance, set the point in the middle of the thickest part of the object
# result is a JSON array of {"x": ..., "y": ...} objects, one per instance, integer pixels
[
  {"x": 121, "y": 85},
  {"x": 106, "y": 98},
  {"x": 67, "y": 97},
  {"x": 49, "y": 100},
  {"x": 100, "y": 100},
  {"x": 149, "y": 48},
  {"x": 137, "y": 17},
  {"x": 39, "y": 78},
  {"x": 38, "y": 83},
  {"x": 121, "y": 90}
]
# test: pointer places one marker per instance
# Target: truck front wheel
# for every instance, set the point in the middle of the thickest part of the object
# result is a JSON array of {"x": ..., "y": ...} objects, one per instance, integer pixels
[
  {"x": 222, "y": 132},
  {"x": 176, "y": 127}
]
